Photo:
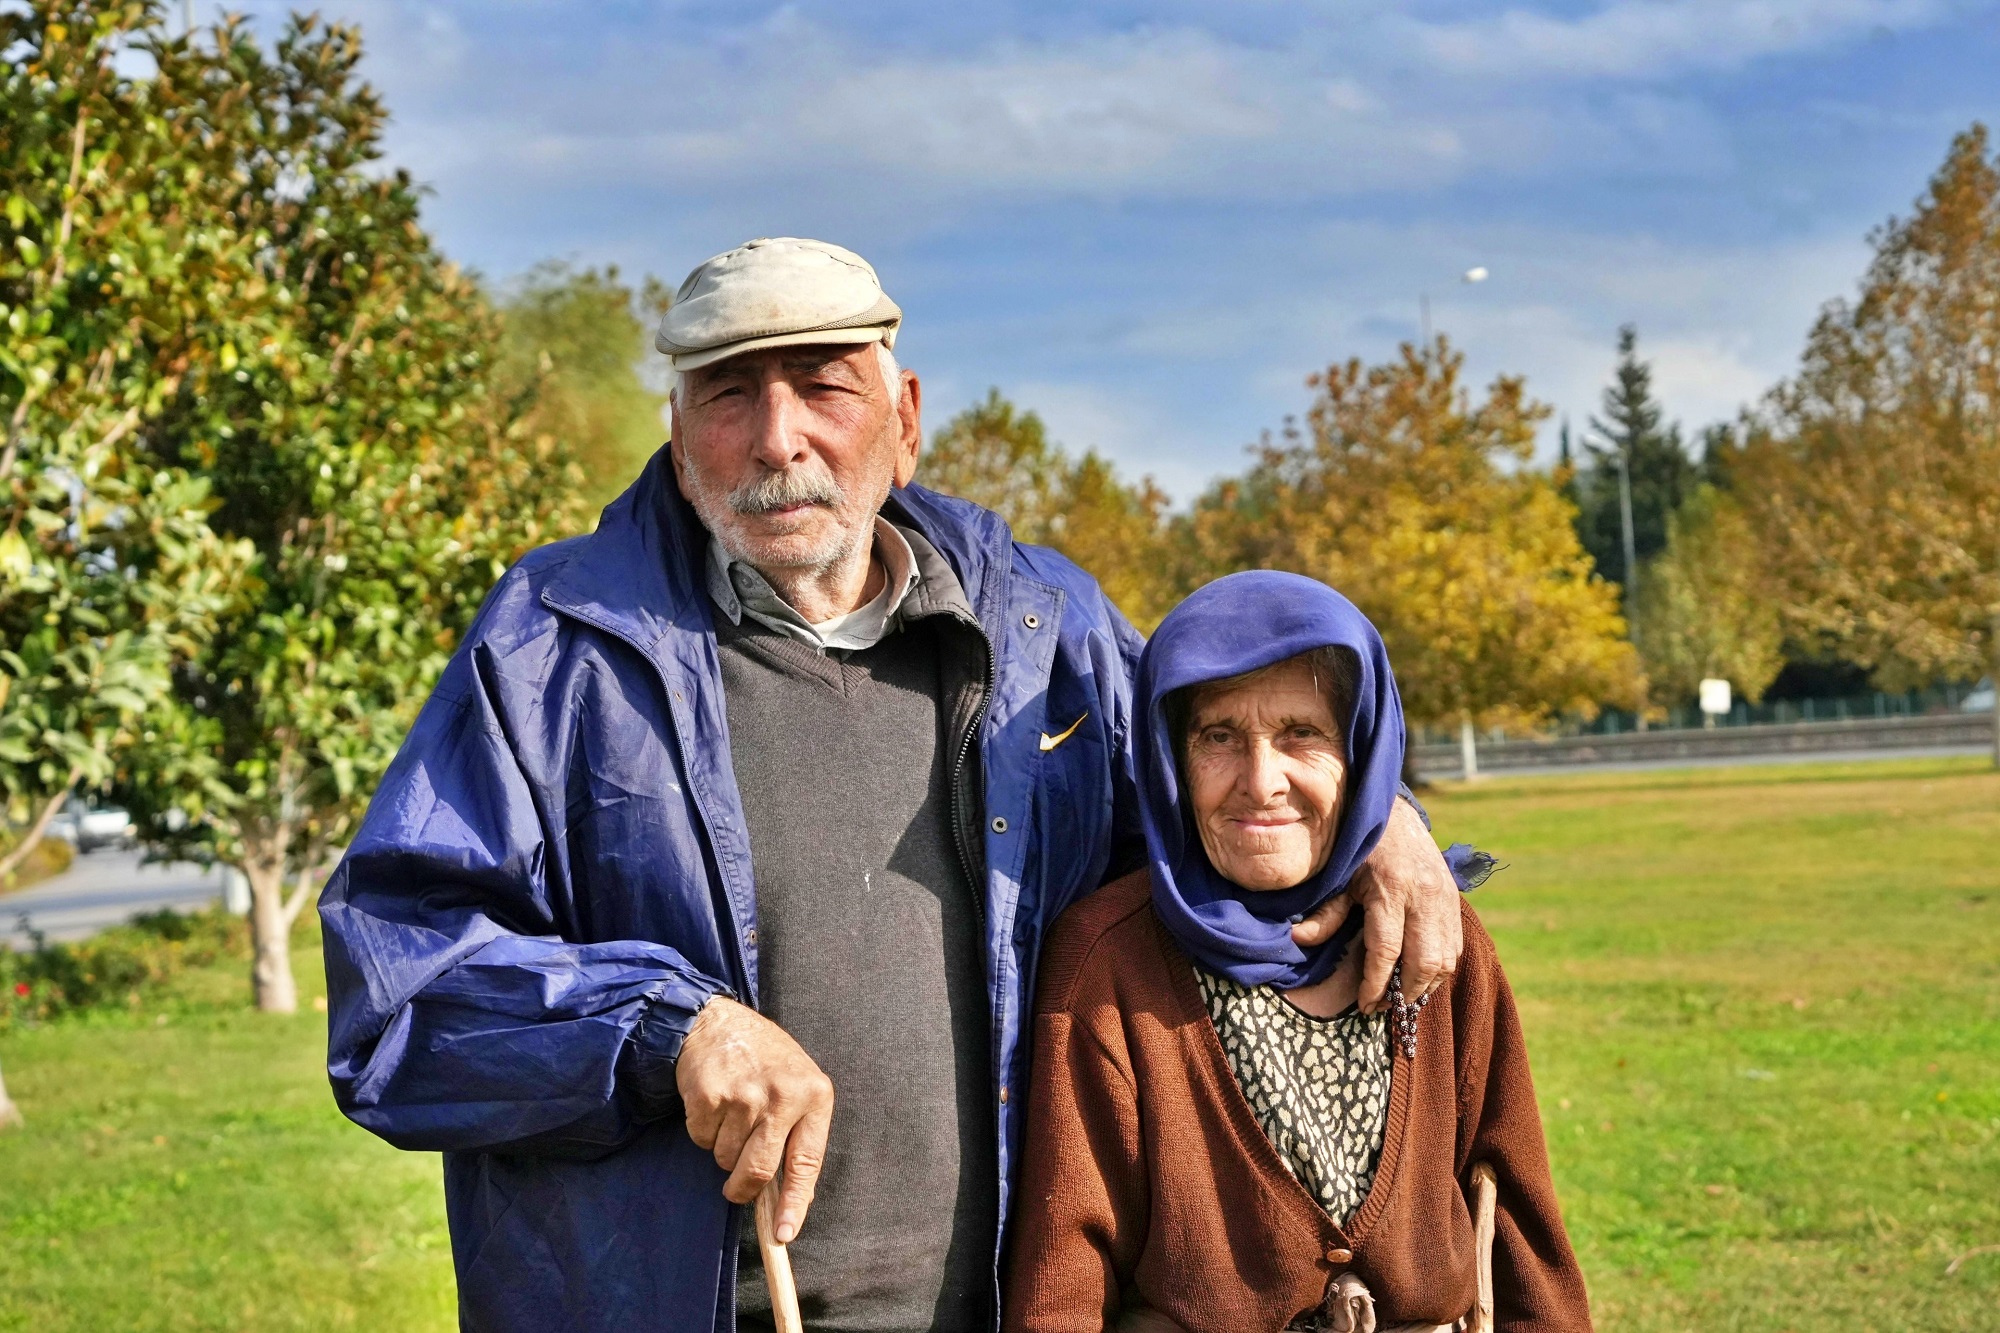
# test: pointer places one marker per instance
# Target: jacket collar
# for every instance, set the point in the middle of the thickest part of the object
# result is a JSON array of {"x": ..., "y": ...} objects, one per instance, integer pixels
[{"x": 642, "y": 573}]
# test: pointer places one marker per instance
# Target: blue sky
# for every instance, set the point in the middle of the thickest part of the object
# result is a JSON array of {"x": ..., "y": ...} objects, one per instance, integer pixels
[{"x": 1151, "y": 222}]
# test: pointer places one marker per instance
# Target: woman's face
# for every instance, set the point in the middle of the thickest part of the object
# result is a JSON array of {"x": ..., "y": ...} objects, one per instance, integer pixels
[{"x": 1265, "y": 771}]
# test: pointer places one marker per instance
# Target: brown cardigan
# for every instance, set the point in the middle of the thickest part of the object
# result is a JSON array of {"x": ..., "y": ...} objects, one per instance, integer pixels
[{"x": 1147, "y": 1180}]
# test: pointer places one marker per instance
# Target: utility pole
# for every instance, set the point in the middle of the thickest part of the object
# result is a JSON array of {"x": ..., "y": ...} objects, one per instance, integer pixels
[
  {"x": 1470, "y": 277},
  {"x": 1631, "y": 563},
  {"x": 1625, "y": 533}
]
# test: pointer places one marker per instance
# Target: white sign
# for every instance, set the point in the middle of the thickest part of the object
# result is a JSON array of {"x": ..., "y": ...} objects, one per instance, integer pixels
[{"x": 1714, "y": 697}]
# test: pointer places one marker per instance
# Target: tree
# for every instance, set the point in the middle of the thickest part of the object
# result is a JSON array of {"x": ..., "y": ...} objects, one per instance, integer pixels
[
  {"x": 569, "y": 359},
  {"x": 1631, "y": 433},
  {"x": 1001, "y": 457},
  {"x": 1875, "y": 471},
  {"x": 352, "y": 440},
  {"x": 1416, "y": 503},
  {"x": 109, "y": 574},
  {"x": 1705, "y": 605},
  {"x": 996, "y": 455}
]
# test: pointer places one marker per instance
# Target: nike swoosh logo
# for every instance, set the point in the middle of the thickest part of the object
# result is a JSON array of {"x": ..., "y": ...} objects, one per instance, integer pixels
[{"x": 1051, "y": 742}]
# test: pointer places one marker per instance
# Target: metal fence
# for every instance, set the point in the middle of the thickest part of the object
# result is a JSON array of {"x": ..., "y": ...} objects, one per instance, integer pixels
[{"x": 1936, "y": 701}]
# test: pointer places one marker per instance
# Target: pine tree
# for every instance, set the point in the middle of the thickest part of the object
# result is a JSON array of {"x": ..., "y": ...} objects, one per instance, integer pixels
[{"x": 1633, "y": 429}]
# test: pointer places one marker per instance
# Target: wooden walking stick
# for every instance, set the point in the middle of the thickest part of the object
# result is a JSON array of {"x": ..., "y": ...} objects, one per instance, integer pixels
[
  {"x": 1484, "y": 1205},
  {"x": 777, "y": 1264}
]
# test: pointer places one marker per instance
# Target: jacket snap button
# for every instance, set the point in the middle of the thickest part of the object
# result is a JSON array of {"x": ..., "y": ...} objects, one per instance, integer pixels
[
  {"x": 1339, "y": 1256},
  {"x": 750, "y": 935},
  {"x": 1031, "y": 620},
  {"x": 1003, "y": 1094},
  {"x": 999, "y": 823}
]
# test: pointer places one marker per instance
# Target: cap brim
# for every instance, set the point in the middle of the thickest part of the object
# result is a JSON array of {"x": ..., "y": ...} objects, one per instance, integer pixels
[{"x": 708, "y": 356}]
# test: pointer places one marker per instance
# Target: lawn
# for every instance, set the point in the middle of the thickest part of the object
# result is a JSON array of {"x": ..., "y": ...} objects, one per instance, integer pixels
[{"x": 1763, "y": 1004}]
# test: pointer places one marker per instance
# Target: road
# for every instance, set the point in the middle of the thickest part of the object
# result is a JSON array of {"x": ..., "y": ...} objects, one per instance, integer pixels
[{"x": 103, "y": 889}]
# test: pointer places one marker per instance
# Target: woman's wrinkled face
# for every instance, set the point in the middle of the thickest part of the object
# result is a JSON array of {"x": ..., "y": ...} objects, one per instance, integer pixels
[{"x": 1266, "y": 768}]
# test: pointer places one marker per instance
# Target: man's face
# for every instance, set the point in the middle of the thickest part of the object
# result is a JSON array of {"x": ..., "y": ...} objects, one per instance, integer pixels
[{"x": 787, "y": 453}]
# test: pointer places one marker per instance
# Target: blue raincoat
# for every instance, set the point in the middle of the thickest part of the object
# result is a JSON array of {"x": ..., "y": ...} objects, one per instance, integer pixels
[{"x": 555, "y": 875}]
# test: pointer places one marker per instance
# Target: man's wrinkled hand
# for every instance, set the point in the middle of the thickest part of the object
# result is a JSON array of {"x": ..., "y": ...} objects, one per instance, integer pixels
[
  {"x": 758, "y": 1102},
  {"x": 1411, "y": 902}
]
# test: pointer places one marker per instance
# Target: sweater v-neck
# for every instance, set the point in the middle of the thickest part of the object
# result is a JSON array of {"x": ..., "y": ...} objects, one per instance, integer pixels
[{"x": 1271, "y": 1168}]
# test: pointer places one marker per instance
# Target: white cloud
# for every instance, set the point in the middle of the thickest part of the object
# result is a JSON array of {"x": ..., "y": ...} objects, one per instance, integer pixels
[
  {"x": 1151, "y": 234},
  {"x": 1656, "y": 37}
]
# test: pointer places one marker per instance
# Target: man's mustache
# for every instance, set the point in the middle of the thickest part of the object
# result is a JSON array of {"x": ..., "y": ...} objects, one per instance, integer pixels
[{"x": 784, "y": 490}]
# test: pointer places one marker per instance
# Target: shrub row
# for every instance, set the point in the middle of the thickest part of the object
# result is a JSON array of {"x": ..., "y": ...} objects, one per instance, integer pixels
[{"x": 116, "y": 968}]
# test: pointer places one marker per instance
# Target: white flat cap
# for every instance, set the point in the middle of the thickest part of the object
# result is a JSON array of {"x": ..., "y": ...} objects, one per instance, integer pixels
[{"x": 775, "y": 292}]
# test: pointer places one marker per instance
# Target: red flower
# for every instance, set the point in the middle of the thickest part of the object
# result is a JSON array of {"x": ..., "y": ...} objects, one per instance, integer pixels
[{"x": 21, "y": 988}]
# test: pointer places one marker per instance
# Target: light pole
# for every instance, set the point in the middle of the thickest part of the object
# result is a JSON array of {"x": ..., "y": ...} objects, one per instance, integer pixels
[
  {"x": 1468, "y": 739},
  {"x": 1475, "y": 274},
  {"x": 1624, "y": 465}
]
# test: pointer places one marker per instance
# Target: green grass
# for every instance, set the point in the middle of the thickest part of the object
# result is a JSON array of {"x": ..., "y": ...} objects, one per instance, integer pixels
[
  {"x": 1763, "y": 1005},
  {"x": 183, "y": 1167}
]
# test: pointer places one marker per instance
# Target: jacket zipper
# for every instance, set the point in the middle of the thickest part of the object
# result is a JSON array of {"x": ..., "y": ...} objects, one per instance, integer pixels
[{"x": 965, "y": 745}]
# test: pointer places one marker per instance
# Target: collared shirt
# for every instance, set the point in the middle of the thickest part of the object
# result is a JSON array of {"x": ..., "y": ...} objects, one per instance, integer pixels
[{"x": 740, "y": 590}]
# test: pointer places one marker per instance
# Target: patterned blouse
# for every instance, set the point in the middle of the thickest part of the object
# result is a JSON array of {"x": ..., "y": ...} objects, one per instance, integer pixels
[{"x": 1319, "y": 1086}]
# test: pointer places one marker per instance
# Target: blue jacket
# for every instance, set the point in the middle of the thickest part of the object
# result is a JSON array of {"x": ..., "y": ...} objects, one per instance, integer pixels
[{"x": 555, "y": 875}]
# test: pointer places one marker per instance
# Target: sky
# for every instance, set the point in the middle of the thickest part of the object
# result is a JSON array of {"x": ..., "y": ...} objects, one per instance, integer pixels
[{"x": 1150, "y": 222}]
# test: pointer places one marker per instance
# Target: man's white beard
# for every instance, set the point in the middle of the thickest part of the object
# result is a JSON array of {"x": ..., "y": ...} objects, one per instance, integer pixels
[{"x": 806, "y": 483}]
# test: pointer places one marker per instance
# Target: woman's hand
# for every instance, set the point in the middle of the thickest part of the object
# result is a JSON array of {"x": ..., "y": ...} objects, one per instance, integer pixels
[{"x": 1411, "y": 903}]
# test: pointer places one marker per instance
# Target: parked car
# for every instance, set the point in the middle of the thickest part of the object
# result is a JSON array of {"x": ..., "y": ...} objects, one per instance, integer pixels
[
  {"x": 87, "y": 826},
  {"x": 1980, "y": 700}
]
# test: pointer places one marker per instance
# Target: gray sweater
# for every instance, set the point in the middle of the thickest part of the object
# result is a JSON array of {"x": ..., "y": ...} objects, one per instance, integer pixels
[{"x": 869, "y": 940}]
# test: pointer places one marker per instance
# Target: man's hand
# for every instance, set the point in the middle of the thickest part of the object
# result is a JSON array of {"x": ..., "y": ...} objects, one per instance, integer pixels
[
  {"x": 757, "y": 1100},
  {"x": 1411, "y": 902}
]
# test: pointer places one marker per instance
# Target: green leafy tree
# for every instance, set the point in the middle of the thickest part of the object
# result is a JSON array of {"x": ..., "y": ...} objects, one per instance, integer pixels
[
  {"x": 570, "y": 360},
  {"x": 1633, "y": 429},
  {"x": 1001, "y": 457},
  {"x": 1875, "y": 471},
  {"x": 1414, "y": 500},
  {"x": 1705, "y": 604},
  {"x": 346, "y": 427},
  {"x": 116, "y": 290}
]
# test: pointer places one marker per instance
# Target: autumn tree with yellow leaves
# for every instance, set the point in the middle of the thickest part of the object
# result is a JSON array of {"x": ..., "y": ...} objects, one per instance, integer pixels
[
  {"x": 1414, "y": 500},
  {"x": 1000, "y": 456},
  {"x": 1874, "y": 473}
]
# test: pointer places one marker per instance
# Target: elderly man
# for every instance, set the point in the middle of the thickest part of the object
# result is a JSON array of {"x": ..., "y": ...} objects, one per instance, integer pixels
[{"x": 723, "y": 850}]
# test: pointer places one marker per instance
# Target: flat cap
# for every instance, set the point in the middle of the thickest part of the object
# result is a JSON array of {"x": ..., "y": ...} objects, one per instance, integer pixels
[{"x": 775, "y": 292}]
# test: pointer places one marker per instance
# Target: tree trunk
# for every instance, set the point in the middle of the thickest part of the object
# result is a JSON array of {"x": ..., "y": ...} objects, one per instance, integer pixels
[
  {"x": 270, "y": 938},
  {"x": 1993, "y": 674},
  {"x": 1468, "y": 747},
  {"x": 272, "y": 916},
  {"x": 10, "y": 1114},
  {"x": 36, "y": 831}
]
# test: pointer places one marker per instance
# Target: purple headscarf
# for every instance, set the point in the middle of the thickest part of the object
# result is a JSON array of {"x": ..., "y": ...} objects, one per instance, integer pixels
[{"x": 1233, "y": 625}]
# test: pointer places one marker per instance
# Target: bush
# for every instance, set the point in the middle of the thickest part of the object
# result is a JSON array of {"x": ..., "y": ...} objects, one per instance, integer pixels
[{"x": 116, "y": 968}]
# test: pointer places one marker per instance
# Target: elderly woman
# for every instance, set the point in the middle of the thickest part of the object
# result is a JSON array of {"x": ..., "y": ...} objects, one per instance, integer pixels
[{"x": 1217, "y": 1140}]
